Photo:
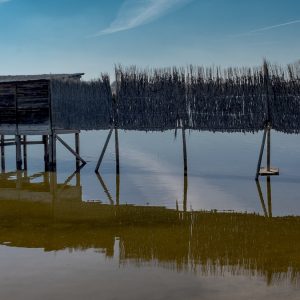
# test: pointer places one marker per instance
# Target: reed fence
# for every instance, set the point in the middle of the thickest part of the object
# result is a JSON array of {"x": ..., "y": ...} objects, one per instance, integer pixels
[{"x": 197, "y": 98}]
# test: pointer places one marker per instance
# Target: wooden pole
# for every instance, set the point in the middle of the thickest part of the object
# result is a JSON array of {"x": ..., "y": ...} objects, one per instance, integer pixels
[
  {"x": 2, "y": 153},
  {"x": 185, "y": 190},
  {"x": 261, "y": 197},
  {"x": 19, "y": 179},
  {"x": 77, "y": 149},
  {"x": 269, "y": 194},
  {"x": 106, "y": 190},
  {"x": 52, "y": 152},
  {"x": 46, "y": 152},
  {"x": 78, "y": 177},
  {"x": 261, "y": 153},
  {"x": 118, "y": 189},
  {"x": 117, "y": 151},
  {"x": 18, "y": 152},
  {"x": 184, "y": 152},
  {"x": 103, "y": 150},
  {"x": 25, "y": 151},
  {"x": 53, "y": 186},
  {"x": 269, "y": 149}
]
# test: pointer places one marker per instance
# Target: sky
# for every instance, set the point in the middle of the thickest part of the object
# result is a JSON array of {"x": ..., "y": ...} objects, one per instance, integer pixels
[{"x": 91, "y": 36}]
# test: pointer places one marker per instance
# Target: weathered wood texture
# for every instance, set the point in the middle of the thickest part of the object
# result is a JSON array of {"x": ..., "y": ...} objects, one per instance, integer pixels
[{"x": 25, "y": 105}]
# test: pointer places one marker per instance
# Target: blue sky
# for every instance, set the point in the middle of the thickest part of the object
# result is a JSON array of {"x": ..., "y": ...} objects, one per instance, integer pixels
[{"x": 91, "y": 36}]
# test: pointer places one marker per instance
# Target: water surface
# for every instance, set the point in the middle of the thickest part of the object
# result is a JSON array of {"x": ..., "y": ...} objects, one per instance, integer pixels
[{"x": 150, "y": 232}]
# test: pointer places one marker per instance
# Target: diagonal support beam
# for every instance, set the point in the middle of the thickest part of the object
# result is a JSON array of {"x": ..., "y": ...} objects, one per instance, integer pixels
[
  {"x": 261, "y": 153},
  {"x": 106, "y": 190},
  {"x": 70, "y": 149},
  {"x": 104, "y": 150},
  {"x": 261, "y": 197}
]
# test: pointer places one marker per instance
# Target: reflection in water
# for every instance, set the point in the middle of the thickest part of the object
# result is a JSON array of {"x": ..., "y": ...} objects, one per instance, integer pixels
[
  {"x": 267, "y": 211},
  {"x": 52, "y": 216}
]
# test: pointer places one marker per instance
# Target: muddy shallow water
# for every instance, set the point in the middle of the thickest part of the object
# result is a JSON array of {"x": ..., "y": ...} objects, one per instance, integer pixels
[{"x": 152, "y": 233}]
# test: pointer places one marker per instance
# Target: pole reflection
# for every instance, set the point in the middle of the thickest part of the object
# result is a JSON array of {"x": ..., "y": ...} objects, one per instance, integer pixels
[
  {"x": 40, "y": 211},
  {"x": 266, "y": 209}
]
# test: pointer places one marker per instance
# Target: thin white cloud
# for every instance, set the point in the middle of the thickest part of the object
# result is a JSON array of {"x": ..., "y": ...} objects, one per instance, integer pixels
[
  {"x": 134, "y": 13},
  {"x": 252, "y": 32},
  {"x": 3, "y": 1}
]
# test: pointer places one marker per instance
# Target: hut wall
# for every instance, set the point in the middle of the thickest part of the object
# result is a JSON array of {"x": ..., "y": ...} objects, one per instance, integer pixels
[
  {"x": 81, "y": 105},
  {"x": 24, "y": 107},
  {"x": 8, "y": 111}
]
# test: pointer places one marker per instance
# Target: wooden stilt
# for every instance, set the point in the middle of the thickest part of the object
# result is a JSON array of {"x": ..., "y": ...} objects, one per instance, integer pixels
[
  {"x": 19, "y": 179},
  {"x": 106, "y": 190},
  {"x": 117, "y": 151},
  {"x": 25, "y": 151},
  {"x": 268, "y": 171},
  {"x": 118, "y": 189},
  {"x": 261, "y": 197},
  {"x": 103, "y": 151},
  {"x": 18, "y": 152},
  {"x": 261, "y": 153},
  {"x": 52, "y": 152},
  {"x": 2, "y": 153},
  {"x": 269, "y": 194},
  {"x": 77, "y": 149},
  {"x": 46, "y": 178},
  {"x": 185, "y": 190},
  {"x": 46, "y": 152},
  {"x": 269, "y": 150},
  {"x": 78, "y": 178},
  {"x": 53, "y": 185},
  {"x": 184, "y": 152}
]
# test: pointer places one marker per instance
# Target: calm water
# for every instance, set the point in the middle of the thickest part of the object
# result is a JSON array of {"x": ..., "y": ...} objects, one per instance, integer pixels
[{"x": 150, "y": 233}]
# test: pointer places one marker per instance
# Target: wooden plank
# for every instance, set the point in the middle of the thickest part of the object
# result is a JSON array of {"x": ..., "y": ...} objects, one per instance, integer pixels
[{"x": 270, "y": 172}]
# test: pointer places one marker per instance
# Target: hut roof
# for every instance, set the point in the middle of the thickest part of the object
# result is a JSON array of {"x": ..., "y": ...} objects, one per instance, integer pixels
[{"x": 16, "y": 78}]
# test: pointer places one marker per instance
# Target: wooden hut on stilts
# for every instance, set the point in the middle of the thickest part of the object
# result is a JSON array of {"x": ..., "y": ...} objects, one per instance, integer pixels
[{"x": 27, "y": 108}]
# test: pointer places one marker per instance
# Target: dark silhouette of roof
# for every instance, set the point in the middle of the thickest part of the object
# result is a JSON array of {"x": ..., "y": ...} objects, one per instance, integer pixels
[{"x": 16, "y": 78}]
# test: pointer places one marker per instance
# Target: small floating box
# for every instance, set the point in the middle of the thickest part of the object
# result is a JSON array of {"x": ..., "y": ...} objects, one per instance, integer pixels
[{"x": 271, "y": 172}]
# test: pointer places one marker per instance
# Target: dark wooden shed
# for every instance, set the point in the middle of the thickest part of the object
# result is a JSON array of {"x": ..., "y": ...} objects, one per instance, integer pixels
[
  {"x": 26, "y": 108},
  {"x": 25, "y": 103}
]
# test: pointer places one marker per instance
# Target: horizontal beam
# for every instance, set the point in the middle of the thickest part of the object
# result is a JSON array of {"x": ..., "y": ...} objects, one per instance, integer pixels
[{"x": 23, "y": 143}]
